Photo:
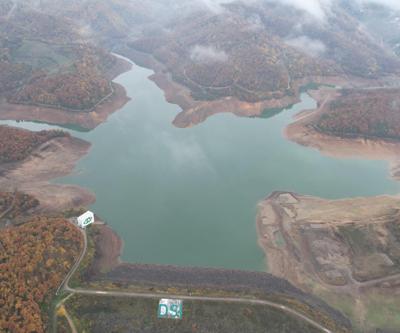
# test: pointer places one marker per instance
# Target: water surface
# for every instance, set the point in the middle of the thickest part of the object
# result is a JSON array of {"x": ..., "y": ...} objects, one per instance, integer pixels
[{"x": 189, "y": 196}]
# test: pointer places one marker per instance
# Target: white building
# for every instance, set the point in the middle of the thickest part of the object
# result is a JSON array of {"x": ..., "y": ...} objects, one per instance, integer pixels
[{"x": 85, "y": 219}]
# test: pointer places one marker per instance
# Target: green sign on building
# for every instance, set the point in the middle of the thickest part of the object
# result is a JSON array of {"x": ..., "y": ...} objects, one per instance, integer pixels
[{"x": 170, "y": 309}]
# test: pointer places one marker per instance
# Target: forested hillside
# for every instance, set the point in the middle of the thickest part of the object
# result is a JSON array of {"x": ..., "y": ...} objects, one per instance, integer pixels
[
  {"x": 362, "y": 113},
  {"x": 15, "y": 204},
  {"x": 257, "y": 51},
  {"x": 46, "y": 60},
  {"x": 34, "y": 258},
  {"x": 16, "y": 144}
]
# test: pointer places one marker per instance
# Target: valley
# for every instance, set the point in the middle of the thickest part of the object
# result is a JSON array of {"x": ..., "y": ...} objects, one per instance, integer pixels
[{"x": 174, "y": 177}]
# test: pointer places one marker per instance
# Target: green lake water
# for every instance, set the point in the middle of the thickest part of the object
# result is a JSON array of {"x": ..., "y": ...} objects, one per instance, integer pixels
[{"x": 189, "y": 196}]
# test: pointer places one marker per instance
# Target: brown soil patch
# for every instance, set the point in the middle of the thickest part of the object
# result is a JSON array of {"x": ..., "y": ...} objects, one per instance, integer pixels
[
  {"x": 345, "y": 249},
  {"x": 87, "y": 120},
  {"x": 195, "y": 111},
  {"x": 108, "y": 250},
  {"x": 303, "y": 133},
  {"x": 53, "y": 159}
]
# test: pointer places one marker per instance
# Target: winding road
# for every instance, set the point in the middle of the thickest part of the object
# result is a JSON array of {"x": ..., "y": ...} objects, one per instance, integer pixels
[{"x": 64, "y": 286}]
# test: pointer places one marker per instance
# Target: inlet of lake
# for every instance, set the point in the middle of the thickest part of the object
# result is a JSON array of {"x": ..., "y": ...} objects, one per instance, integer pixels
[{"x": 189, "y": 196}]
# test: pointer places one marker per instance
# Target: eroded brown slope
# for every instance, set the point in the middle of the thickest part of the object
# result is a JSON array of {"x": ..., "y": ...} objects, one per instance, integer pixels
[{"x": 347, "y": 251}]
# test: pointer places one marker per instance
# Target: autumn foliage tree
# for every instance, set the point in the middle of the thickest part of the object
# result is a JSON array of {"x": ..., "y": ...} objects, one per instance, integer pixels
[
  {"x": 16, "y": 144},
  {"x": 79, "y": 87},
  {"x": 362, "y": 113},
  {"x": 13, "y": 205},
  {"x": 34, "y": 258}
]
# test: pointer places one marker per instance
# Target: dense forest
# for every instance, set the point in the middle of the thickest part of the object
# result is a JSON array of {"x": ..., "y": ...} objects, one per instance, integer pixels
[
  {"x": 60, "y": 71},
  {"x": 16, "y": 144},
  {"x": 13, "y": 205},
  {"x": 257, "y": 52},
  {"x": 362, "y": 113},
  {"x": 79, "y": 87},
  {"x": 34, "y": 258},
  {"x": 12, "y": 75},
  {"x": 249, "y": 64}
]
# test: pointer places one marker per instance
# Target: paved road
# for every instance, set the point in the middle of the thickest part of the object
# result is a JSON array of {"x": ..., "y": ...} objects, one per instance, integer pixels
[
  {"x": 65, "y": 287},
  {"x": 70, "y": 322},
  {"x": 65, "y": 282},
  {"x": 200, "y": 298}
]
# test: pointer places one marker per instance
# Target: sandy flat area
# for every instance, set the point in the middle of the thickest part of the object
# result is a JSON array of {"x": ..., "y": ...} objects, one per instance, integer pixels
[{"x": 53, "y": 159}]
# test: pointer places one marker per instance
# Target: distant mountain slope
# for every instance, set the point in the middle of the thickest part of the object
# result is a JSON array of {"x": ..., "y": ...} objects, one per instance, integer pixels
[
  {"x": 257, "y": 52},
  {"x": 46, "y": 60}
]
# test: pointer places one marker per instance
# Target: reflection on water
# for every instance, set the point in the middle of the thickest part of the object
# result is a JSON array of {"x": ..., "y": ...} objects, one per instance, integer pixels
[{"x": 189, "y": 196}]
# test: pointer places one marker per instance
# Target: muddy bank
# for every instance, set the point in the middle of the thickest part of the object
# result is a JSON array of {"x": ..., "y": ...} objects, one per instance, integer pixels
[
  {"x": 108, "y": 249},
  {"x": 311, "y": 239},
  {"x": 53, "y": 159},
  {"x": 196, "y": 111},
  {"x": 86, "y": 119},
  {"x": 302, "y": 132}
]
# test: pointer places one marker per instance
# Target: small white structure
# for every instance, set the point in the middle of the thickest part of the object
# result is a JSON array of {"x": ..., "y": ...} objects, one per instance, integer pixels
[{"x": 85, "y": 219}]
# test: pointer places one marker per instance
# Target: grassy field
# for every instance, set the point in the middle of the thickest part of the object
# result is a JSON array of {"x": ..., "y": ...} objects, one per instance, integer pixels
[
  {"x": 377, "y": 310},
  {"x": 42, "y": 56},
  {"x": 108, "y": 314},
  {"x": 384, "y": 311}
]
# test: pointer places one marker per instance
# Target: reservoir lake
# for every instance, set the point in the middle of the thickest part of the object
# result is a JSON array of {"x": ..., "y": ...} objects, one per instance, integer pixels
[{"x": 189, "y": 196}]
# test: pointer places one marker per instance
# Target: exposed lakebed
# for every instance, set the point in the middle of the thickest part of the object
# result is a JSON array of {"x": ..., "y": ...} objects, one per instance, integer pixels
[{"x": 189, "y": 196}]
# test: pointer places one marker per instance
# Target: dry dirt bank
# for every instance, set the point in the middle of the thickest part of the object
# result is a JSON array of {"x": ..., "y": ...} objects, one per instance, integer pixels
[
  {"x": 53, "y": 159},
  {"x": 195, "y": 111},
  {"x": 86, "y": 119},
  {"x": 345, "y": 251},
  {"x": 302, "y": 132}
]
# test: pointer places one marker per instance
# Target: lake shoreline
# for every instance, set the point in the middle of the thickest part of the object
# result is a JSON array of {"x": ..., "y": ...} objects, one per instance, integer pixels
[
  {"x": 110, "y": 240},
  {"x": 58, "y": 157},
  {"x": 34, "y": 175},
  {"x": 303, "y": 133},
  {"x": 107, "y": 268},
  {"x": 312, "y": 242},
  {"x": 195, "y": 112},
  {"x": 89, "y": 119}
]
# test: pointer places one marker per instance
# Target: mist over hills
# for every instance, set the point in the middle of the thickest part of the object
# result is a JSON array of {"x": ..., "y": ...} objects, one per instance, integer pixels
[
  {"x": 253, "y": 58},
  {"x": 251, "y": 50}
]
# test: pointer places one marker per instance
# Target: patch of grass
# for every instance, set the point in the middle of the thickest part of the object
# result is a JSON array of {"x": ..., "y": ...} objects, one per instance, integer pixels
[
  {"x": 110, "y": 314},
  {"x": 41, "y": 55},
  {"x": 383, "y": 311},
  {"x": 342, "y": 302}
]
